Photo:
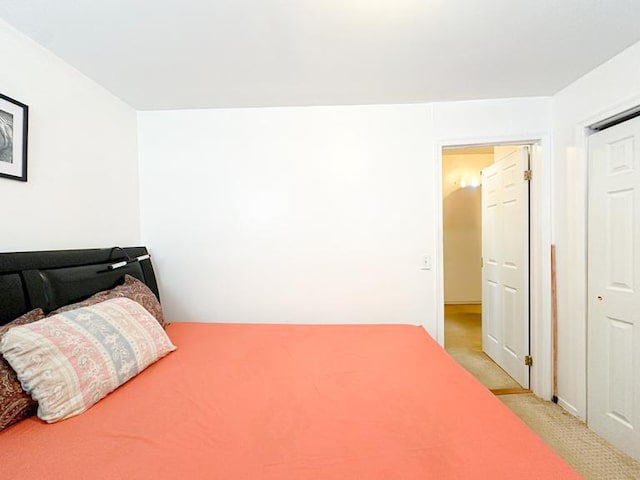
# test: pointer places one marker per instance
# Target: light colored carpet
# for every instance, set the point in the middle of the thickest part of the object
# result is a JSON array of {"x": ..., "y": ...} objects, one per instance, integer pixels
[
  {"x": 483, "y": 368},
  {"x": 463, "y": 341},
  {"x": 590, "y": 455}
]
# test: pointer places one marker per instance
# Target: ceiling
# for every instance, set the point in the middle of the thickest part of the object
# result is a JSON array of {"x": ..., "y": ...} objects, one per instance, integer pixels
[{"x": 171, "y": 54}]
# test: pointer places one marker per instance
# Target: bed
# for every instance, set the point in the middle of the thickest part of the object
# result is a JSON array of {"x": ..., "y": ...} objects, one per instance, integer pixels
[{"x": 257, "y": 401}]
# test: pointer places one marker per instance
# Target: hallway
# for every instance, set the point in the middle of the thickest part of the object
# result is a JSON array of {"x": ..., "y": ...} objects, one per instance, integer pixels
[{"x": 463, "y": 341}]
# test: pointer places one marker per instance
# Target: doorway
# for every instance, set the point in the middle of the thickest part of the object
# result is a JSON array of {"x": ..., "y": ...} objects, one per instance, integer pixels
[{"x": 486, "y": 342}]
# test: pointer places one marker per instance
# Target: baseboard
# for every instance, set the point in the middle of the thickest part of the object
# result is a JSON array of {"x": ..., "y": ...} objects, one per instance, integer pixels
[{"x": 473, "y": 302}]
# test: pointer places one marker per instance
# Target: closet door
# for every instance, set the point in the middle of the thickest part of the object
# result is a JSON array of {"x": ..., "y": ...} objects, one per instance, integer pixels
[{"x": 613, "y": 358}]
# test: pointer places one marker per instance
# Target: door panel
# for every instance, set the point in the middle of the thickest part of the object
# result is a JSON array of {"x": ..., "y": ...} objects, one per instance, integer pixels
[
  {"x": 613, "y": 359},
  {"x": 505, "y": 273},
  {"x": 621, "y": 380},
  {"x": 620, "y": 220},
  {"x": 511, "y": 341},
  {"x": 489, "y": 310}
]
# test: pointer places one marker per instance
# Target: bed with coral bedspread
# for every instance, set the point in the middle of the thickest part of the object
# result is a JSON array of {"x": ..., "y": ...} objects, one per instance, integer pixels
[{"x": 240, "y": 401}]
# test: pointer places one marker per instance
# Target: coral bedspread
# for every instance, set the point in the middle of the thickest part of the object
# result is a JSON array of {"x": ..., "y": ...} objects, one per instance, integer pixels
[{"x": 289, "y": 402}]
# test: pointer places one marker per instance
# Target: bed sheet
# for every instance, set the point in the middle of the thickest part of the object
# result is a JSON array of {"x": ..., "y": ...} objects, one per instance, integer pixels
[{"x": 289, "y": 402}]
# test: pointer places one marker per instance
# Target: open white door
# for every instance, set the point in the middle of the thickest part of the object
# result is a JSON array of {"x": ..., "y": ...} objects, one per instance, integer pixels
[
  {"x": 613, "y": 359},
  {"x": 505, "y": 253}
]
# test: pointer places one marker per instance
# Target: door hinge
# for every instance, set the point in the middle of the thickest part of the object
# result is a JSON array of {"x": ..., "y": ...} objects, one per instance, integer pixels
[
  {"x": 481, "y": 262},
  {"x": 528, "y": 360},
  {"x": 527, "y": 175}
]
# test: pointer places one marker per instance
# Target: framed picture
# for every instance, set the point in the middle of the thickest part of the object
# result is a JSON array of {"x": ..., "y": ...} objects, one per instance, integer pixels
[{"x": 14, "y": 120}]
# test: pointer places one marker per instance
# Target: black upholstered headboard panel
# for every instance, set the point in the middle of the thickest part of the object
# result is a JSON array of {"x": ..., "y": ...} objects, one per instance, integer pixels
[{"x": 52, "y": 279}]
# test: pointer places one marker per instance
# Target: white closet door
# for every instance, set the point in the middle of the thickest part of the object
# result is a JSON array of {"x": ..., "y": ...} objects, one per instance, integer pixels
[
  {"x": 505, "y": 273},
  {"x": 613, "y": 359}
]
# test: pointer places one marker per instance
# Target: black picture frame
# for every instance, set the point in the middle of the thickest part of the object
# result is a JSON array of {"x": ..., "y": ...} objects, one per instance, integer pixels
[{"x": 14, "y": 127}]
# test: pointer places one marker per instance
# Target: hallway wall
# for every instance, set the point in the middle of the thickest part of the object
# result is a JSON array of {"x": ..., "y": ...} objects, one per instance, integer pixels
[{"x": 462, "y": 225}]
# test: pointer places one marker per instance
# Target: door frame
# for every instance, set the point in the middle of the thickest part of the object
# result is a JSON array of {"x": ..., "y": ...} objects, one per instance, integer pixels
[{"x": 539, "y": 247}]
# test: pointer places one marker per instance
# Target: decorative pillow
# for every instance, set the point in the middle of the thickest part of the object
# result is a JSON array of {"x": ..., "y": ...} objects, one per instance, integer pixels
[
  {"x": 15, "y": 403},
  {"x": 132, "y": 288},
  {"x": 70, "y": 361}
]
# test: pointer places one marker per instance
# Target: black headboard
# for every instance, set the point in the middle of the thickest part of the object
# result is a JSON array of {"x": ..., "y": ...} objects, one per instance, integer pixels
[{"x": 52, "y": 279}]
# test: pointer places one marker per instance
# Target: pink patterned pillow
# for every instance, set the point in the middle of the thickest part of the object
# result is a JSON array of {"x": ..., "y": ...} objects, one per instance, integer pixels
[
  {"x": 15, "y": 403},
  {"x": 70, "y": 361}
]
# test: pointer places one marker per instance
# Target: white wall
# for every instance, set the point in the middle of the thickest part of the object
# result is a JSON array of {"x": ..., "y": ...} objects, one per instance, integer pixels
[
  {"x": 82, "y": 188},
  {"x": 611, "y": 88},
  {"x": 462, "y": 226},
  {"x": 311, "y": 214}
]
